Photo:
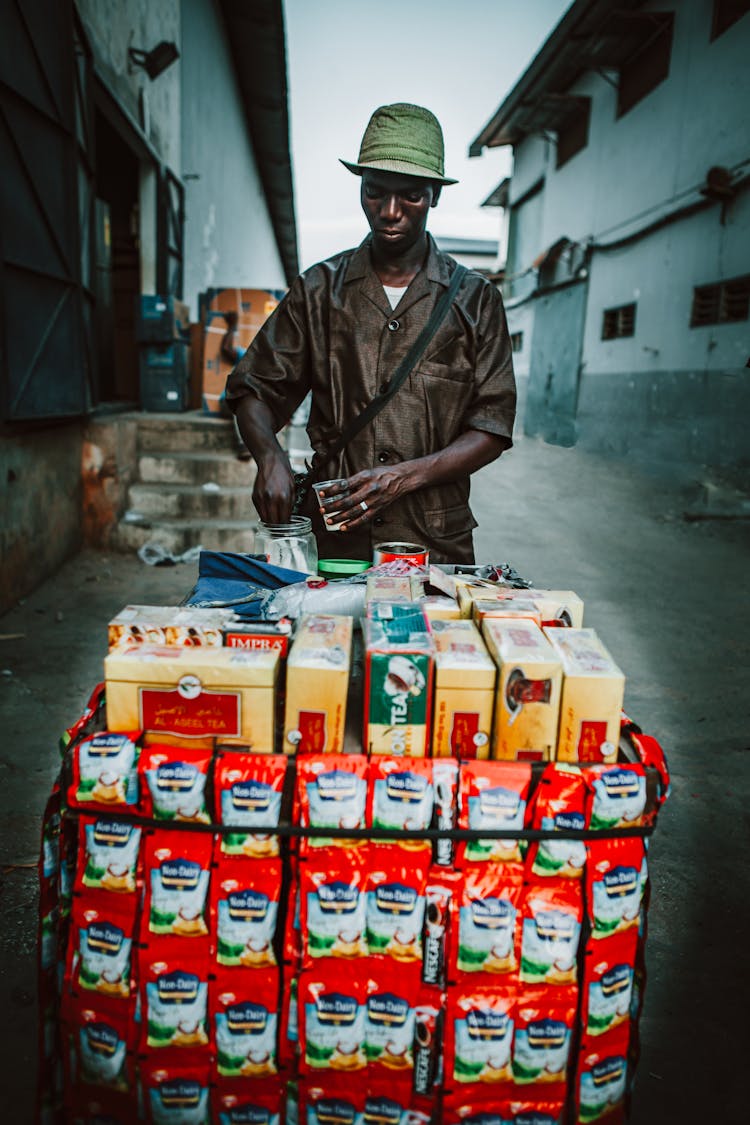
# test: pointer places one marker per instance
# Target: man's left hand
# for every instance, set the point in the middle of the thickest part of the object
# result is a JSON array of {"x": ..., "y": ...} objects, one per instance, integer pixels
[{"x": 368, "y": 492}]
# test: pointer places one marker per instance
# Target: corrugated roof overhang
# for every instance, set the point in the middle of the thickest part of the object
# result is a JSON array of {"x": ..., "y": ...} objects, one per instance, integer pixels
[
  {"x": 256, "y": 35},
  {"x": 593, "y": 34}
]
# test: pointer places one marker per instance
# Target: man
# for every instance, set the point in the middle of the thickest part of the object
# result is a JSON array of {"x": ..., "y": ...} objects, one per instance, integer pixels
[{"x": 342, "y": 331}]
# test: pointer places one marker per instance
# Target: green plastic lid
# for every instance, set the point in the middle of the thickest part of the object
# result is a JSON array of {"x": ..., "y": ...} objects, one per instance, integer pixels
[{"x": 341, "y": 568}]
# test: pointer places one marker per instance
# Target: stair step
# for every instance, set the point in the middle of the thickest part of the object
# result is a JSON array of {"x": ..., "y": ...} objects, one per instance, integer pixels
[
  {"x": 178, "y": 535},
  {"x": 195, "y": 468},
  {"x": 185, "y": 433},
  {"x": 173, "y": 501}
]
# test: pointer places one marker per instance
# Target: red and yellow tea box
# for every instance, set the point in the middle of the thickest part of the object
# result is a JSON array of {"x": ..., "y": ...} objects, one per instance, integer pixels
[
  {"x": 592, "y": 697},
  {"x": 192, "y": 696},
  {"x": 527, "y": 703},
  {"x": 465, "y": 677},
  {"x": 317, "y": 685}
]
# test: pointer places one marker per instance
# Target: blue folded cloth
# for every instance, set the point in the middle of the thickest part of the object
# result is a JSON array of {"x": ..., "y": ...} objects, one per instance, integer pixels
[{"x": 237, "y": 582}]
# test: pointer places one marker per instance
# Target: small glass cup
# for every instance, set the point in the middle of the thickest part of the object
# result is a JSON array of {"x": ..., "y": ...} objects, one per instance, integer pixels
[{"x": 333, "y": 490}]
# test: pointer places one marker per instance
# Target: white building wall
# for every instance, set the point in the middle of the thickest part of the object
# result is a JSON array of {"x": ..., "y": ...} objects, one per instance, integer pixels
[
  {"x": 659, "y": 274},
  {"x": 114, "y": 26},
  {"x": 229, "y": 239},
  {"x": 640, "y": 165}
]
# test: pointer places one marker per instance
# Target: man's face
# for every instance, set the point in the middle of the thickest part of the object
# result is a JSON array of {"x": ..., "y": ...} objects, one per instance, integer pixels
[{"x": 396, "y": 207}]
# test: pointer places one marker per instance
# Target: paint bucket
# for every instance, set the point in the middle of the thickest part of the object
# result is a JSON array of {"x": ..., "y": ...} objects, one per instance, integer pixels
[{"x": 413, "y": 552}]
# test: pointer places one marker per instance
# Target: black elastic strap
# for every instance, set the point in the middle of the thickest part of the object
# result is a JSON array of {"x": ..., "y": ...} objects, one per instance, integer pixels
[{"x": 404, "y": 369}]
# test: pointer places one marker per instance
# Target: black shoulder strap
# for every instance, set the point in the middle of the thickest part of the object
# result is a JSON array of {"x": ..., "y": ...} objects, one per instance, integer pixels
[{"x": 389, "y": 389}]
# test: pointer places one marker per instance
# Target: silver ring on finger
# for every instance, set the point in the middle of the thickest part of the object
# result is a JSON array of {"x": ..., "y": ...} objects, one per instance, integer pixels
[{"x": 363, "y": 506}]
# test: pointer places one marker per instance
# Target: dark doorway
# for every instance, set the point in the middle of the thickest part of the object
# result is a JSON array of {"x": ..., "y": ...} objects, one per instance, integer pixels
[{"x": 118, "y": 264}]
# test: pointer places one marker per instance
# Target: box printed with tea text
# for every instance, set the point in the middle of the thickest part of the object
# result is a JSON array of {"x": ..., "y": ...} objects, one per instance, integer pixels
[
  {"x": 592, "y": 697},
  {"x": 528, "y": 690},
  {"x": 317, "y": 685},
  {"x": 192, "y": 696},
  {"x": 464, "y": 691},
  {"x": 399, "y": 664}
]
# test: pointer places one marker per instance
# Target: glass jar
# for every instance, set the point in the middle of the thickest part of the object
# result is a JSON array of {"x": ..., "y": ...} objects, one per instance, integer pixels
[{"x": 291, "y": 545}]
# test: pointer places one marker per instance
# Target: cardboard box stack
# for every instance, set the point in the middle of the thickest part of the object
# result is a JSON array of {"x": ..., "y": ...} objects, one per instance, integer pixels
[{"x": 253, "y": 307}]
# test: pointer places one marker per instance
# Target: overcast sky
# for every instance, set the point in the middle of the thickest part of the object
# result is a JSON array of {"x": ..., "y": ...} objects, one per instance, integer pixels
[{"x": 347, "y": 57}]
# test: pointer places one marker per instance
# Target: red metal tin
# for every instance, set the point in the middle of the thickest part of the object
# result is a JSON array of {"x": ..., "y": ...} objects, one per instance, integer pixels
[{"x": 413, "y": 552}]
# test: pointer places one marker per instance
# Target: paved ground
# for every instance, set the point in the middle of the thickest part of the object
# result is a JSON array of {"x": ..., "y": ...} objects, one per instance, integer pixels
[{"x": 670, "y": 599}]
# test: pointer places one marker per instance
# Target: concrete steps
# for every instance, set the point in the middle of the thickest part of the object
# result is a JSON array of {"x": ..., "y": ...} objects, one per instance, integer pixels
[{"x": 189, "y": 487}]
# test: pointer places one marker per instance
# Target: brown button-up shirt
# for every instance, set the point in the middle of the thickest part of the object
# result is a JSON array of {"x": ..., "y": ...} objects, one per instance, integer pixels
[{"x": 335, "y": 334}]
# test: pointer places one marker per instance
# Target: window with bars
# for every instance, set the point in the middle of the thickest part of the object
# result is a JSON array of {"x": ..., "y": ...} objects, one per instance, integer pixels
[
  {"x": 721, "y": 303},
  {"x": 725, "y": 13},
  {"x": 648, "y": 66},
  {"x": 618, "y": 322},
  {"x": 516, "y": 341}
]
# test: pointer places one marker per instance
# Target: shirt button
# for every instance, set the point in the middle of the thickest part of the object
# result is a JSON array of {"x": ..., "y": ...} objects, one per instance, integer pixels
[
  {"x": 394, "y": 325},
  {"x": 378, "y": 521},
  {"x": 384, "y": 456}
]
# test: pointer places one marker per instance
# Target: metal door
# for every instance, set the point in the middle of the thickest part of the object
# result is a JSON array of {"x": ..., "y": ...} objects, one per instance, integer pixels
[
  {"x": 554, "y": 369},
  {"x": 46, "y": 202},
  {"x": 170, "y": 230}
]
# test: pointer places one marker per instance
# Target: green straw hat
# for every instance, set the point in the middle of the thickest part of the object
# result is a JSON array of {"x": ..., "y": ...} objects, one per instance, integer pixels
[{"x": 403, "y": 138}]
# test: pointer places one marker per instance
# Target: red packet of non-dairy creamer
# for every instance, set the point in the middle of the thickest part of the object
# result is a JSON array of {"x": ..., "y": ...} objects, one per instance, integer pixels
[
  {"x": 108, "y": 851},
  {"x": 332, "y": 1014},
  {"x": 245, "y": 908},
  {"x": 608, "y": 982},
  {"x": 175, "y": 1091},
  {"x": 101, "y": 1037},
  {"x": 401, "y": 797},
  {"x": 177, "y": 873},
  {"x": 601, "y": 1080},
  {"x": 493, "y": 795},
  {"x": 559, "y": 805},
  {"x": 545, "y": 1021},
  {"x": 333, "y": 907},
  {"x": 244, "y": 1018},
  {"x": 616, "y": 877},
  {"x": 174, "y": 999},
  {"x": 478, "y": 1036},
  {"x": 552, "y": 912},
  {"x": 105, "y": 771},
  {"x": 173, "y": 783},
  {"x": 103, "y": 934},
  {"x": 331, "y": 793},
  {"x": 248, "y": 790},
  {"x": 235, "y": 1101},
  {"x": 489, "y": 920},
  {"x": 395, "y": 909}
]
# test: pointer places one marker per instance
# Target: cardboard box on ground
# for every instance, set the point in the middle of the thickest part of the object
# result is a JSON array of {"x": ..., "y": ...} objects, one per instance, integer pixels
[{"x": 253, "y": 307}]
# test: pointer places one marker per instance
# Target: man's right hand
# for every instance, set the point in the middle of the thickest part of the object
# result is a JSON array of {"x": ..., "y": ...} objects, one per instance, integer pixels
[{"x": 273, "y": 494}]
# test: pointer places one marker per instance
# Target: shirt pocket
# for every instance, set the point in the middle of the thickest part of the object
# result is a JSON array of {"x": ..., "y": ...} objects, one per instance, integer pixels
[
  {"x": 446, "y": 392},
  {"x": 449, "y": 533}
]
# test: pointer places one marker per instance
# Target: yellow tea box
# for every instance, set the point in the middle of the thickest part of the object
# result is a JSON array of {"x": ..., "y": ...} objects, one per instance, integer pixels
[
  {"x": 527, "y": 704},
  {"x": 513, "y": 608},
  {"x": 317, "y": 684},
  {"x": 437, "y": 607},
  {"x": 399, "y": 652},
  {"x": 168, "y": 625},
  {"x": 558, "y": 605},
  {"x": 384, "y": 588},
  {"x": 465, "y": 677},
  {"x": 192, "y": 696},
  {"x": 592, "y": 697}
]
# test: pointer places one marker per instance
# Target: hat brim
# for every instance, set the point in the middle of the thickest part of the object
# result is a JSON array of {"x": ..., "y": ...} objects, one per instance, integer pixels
[{"x": 401, "y": 166}]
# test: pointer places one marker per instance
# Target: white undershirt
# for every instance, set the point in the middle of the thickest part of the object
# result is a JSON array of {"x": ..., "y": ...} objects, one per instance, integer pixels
[{"x": 394, "y": 294}]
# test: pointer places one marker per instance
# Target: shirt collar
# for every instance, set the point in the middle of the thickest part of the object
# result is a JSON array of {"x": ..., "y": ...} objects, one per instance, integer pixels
[{"x": 436, "y": 268}]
